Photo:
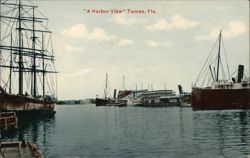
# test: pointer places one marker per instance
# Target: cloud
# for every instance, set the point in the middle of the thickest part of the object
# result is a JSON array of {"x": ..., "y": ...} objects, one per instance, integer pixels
[
  {"x": 100, "y": 35},
  {"x": 231, "y": 30},
  {"x": 124, "y": 42},
  {"x": 74, "y": 48},
  {"x": 83, "y": 72},
  {"x": 175, "y": 22},
  {"x": 80, "y": 31},
  {"x": 123, "y": 19},
  {"x": 80, "y": 72},
  {"x": 153, "y": 44},
  {"x": 76, "y": 31}
]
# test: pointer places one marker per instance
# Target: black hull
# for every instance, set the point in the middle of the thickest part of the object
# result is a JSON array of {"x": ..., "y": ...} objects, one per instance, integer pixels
[{"x": 102, "y": 102}]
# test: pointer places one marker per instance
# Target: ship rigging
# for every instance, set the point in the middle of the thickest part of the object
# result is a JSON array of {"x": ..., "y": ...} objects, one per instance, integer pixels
[
  {"x": 220, "y": 94},
  {"x": 27, "y": 68}
]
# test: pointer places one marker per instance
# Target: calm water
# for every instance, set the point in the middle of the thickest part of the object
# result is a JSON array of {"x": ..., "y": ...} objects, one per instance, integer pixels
[{"x": 113, "y": 132}]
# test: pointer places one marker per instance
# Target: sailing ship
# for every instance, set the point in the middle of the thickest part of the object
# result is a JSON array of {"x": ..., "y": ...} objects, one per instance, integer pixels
[
  {"x": 221, "y": 94},
  {"x": 103, "y": 101},
  {"x": 27, "y": 70}
]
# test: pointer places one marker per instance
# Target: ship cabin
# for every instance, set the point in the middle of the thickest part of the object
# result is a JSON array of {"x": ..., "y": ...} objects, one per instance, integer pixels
[
  {"x": 225, "y": 84},
  {"x": 222, "y": 84}
]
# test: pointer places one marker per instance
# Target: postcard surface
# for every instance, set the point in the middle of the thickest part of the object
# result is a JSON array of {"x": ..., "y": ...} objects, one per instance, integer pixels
[{"x": 123, "y": 78}]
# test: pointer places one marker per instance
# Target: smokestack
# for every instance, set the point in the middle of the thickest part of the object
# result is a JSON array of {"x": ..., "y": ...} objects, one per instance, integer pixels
[
  {"x": 180, "y": 89},
  {"x": 114, "y": 93},
  {"x": 240, "y": 73}
]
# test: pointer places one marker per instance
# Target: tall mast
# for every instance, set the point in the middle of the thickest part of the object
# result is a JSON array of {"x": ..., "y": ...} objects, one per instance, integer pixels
[
  {"x": 11, "y": 64},
  {"x": 43, "y": 66},
  {"x": 34, "y": 57},
  {"x": 218, "y": 62},
  {"x": 106, "y": 86},
  {"x": 123, "y": 83},
  {"x": 0, "y": 41},
  {"x": 28, "y": 52},
  {"x": 20, "y": 56}
]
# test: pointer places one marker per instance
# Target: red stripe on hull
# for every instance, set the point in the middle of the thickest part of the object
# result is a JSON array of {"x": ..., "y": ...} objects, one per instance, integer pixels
[{"x": 220, "y": 99}]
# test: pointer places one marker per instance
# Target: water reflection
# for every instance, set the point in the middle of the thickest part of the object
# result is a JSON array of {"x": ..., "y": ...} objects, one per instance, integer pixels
[
  {"x": 225, "y": 131},
  {"x": 90, "y": 131},
  {"x": 37, "y": 129}
]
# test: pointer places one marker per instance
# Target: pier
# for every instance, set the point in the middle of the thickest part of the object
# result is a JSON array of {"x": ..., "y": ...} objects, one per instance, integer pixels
[{"x": 8, "y": 120}]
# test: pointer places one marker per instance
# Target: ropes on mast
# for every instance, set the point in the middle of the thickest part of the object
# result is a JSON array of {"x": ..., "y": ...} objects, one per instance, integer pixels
[
  {"x": 24, "y": 15},
  {"x": 212, "y": 61}
]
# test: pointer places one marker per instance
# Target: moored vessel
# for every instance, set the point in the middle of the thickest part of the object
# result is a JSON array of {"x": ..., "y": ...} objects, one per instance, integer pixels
[
  {"x": 104, "y": 101},
  {"x": 222, "y": 94},
  {"x": 27, "y": 70}
]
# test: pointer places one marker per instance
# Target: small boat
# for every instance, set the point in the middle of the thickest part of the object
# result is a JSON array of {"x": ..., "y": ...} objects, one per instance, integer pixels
[
  {"x": 135, "y": 98},
  {"x": 8, "y": 120},
  {"x": 221, "y": 94},
  {"x": 19, "y": 149},
  {"x": 117, "y": 102},
  {"x": 121, "y": 103},
  {"x": 134, "y": 101}
]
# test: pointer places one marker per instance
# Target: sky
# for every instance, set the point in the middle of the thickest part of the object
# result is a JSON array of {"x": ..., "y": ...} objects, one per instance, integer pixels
[{"x": 165, "y": 45}]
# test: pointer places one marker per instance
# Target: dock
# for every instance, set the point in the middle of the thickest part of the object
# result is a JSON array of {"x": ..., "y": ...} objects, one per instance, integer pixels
[{"x": 8, "y": 120}]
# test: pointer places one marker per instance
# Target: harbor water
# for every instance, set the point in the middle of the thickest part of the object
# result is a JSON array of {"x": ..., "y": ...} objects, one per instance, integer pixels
[{"x": 82, "y": 131}]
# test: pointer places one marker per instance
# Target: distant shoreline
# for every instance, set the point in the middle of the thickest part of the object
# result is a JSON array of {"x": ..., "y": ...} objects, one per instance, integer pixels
[{"x": 75, "y": 102}]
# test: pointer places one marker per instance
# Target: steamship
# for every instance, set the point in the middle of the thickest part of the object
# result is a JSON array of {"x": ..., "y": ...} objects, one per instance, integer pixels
[
  {"x": 221, "y": 94},
  {"x": 115, "y": 101},
  {"x": 27, "y": 70},
  {"x": 104, "y": 101}
]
